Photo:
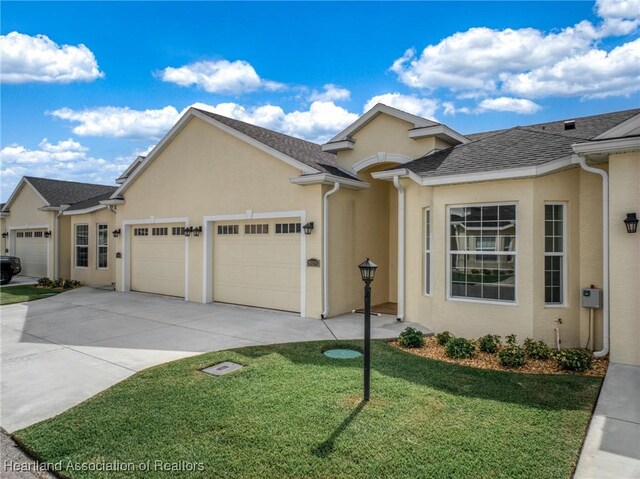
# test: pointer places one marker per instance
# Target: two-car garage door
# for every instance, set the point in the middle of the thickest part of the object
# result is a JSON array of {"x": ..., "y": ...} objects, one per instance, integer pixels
[
  {"x": 31, "y": 248},
  {"x": 255, "y": 263}
]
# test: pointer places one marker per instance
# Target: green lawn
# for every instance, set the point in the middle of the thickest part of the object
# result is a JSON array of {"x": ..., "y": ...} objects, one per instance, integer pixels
[
  {"x": 26, "y": 292},
  {"x": 291, "y": 412}
]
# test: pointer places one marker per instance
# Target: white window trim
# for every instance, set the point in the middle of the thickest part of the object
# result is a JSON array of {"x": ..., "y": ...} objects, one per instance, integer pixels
[
  {"x": 76, "y": 245},
  {"x": 98, "y": 246},
  {"x": 513, "y": 303},
  {"x": 427, "y": 252},
  {"x": 565, "y": 269}
]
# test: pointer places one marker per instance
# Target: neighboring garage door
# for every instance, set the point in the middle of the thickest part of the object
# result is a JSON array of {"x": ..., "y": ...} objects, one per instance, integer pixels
[
  {"x": 157, "y": 259},
  {"x": 31, "y": 248},
  {"x": 257, "y": 264}
]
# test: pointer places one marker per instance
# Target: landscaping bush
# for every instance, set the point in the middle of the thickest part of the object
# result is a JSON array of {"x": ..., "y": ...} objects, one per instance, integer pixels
[
  {"x": 489, "y": 343},
  {"x": 512, "y": 356},
  {"x": 45, "y": 282},
  {"x": 537, "y": 349},
  {"x": 511, "y": 340},
  {"x": 460, "y": 348},
  {"x": 68, "y": 284},
  {"x": 444, "y": 337},
  {"x": 577, "y": 360},
  {"x": 411, "y": 338},
  {"x": 58, "y": 283}
]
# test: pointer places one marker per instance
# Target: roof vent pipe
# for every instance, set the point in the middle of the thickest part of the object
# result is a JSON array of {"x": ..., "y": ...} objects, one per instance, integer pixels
[
  {"x": 325, "y": 250},
  {"x": 605, "y": 255}
]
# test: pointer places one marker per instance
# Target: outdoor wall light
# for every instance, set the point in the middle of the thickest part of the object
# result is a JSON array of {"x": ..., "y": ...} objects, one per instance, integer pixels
[
  {"x": 5, "y": 234},
  {"x": 116, "y": 233},
  {"x": 631, "y": 223},
  {"x": 190, "y": 229},
  {"x": 47, "y": 234},
  {"x": 308, "y": 228}
]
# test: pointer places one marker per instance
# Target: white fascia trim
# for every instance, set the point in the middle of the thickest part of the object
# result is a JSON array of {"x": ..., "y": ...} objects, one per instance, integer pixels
[
  {"x": 112, "y": 202},
  {"x": 327, "y": 179},
  {"x": 192, "y": 112},
  {"x": 50, "y": 208},
  {"x": 439, "y": 131},
  {"x": 400, "y": 172},
  {"x": 126, "y": 247},
  {"x": 339, "y": 145},
  {"x": 19, "y": 188},
  {"x": 381, "y": 157},
  {"x": 617, "y": 145},
  {"x": 84, "y": 211},
  {"x": 4, "y": 214},
  {"x": 207, "y": 249},
  {"x": 625, "y": 128},
  {"x": 417, "y": 121}
]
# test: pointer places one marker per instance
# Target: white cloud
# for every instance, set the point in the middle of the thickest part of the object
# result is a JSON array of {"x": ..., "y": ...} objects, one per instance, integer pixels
[
  {"x": 450, "y": 108},
  {"x": 627, "y": 9},
  {"x": 64, "y": 160},
  {"x": 503, "y": 103},
  {"x": 37, "y": 58},
  {"x": 424, "y": 107},
  {"x": 594, "y": 74},
  {"x": 319, "y": 123},
  {"x": 331, "y": 93},
  {"x": 119, "y": 122},
  {"x": 221, "y": 76}
]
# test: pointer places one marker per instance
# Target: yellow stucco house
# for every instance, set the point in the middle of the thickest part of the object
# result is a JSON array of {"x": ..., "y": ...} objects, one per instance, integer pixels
[{"x": 495, "y": 232}]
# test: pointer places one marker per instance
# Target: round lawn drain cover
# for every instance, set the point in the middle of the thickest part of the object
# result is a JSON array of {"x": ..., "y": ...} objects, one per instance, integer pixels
[{"x": 342, "y": 353}]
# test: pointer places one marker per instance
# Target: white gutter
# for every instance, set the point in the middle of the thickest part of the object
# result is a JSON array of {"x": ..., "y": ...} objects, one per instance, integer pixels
[
  {"x": 605, "y": 254},
  {"x": 401, "y": 247},
  {"x": 325, "y": 250}
]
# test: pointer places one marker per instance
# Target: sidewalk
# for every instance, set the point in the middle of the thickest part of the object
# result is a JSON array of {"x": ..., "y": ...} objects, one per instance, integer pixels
[{"x": 612, "y": 446}]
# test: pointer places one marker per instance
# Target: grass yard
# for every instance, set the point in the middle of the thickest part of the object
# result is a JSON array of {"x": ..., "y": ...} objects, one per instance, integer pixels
[
  {"x": 21, "y": 293},
  {"x": 291, "y": 412}
]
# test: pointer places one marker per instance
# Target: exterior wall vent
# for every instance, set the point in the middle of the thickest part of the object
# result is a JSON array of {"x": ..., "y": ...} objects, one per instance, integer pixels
[{"x": 570, "y": 125}]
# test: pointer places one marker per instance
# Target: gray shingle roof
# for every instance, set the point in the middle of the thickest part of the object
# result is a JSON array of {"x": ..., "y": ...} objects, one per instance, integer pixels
[
  {"x": 310, "y": 154},
  {"x": 58, "y": 192},
  {"x": 91, "y": 202},
  {"x": 515, "y": 147}
]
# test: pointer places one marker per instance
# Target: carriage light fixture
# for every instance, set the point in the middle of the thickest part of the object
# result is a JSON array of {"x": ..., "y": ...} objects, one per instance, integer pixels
[
  {"x": 116, "y": 233},
  {"x": 631, "y": 223},
  {"x": 308, "y": 228}
]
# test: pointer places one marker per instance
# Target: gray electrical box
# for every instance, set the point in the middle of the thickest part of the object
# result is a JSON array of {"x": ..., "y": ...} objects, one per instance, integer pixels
[{"x": 592, "y": 298}]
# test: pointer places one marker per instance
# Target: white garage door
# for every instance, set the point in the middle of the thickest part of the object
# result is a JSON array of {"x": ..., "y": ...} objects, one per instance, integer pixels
[
  {"x": 157, "y": 259},
  {"x": 31, "y": 248},
  {"x": 257, "y": 264}
]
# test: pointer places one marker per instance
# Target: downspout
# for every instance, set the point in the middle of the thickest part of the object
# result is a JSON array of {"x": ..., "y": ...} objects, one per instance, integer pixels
[
  {"x": 401, "y": 247},
  {"x": 325, "y": 250},
  {"x": 605, "y": 255}
]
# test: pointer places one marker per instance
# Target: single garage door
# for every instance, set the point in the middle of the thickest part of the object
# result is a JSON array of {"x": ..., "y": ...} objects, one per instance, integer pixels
[
  {"x": 157, "y": 259},
  {"x": 31, "y": 248},
  {"x": 257, "y": 264}
]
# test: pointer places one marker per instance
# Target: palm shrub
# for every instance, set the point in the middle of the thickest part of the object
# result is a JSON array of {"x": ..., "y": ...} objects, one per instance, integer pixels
[{"x": 460, "y": 348}]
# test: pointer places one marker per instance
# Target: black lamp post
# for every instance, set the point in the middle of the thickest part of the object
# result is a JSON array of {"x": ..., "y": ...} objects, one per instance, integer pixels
[
  {"x": 631, "y": 222},
  {"x": 368, "y": 272}
]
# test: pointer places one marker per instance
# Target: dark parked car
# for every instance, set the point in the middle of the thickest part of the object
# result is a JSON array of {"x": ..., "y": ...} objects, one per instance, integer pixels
[{"x": 9, "y": 267}]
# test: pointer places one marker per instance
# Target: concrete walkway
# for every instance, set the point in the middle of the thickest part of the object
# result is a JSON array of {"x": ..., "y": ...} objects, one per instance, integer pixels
[
  {"x": 59, "y": 351},
  {"x": 612, "y": 446}
]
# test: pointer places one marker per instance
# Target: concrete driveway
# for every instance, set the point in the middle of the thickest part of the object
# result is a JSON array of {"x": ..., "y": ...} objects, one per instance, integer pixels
[{"x": 59, "y": 351}]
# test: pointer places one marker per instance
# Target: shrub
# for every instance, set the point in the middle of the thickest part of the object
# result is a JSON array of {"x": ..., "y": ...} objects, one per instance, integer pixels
[
  {"x": 58, "y": 283},
  {"x": 75, "y": 283},
  {"x": 460, "y": 348},
  {"x": 537, "y": 349},
  {"x": 444, "y": 337},
  {"x": 511, "y": 340},
  {"x": 411, "y": 338},
  {"x": 45, "y": 282},
  {"x": 577, "y": 360},
  {"x": 512, "y": 356},
  {"x": 68, "y": 284},
  {"x": 489, "y": 343}
]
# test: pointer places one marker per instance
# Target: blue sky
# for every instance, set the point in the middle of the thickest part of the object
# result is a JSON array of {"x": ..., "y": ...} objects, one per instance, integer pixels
[{"x": 86, "y": 86}]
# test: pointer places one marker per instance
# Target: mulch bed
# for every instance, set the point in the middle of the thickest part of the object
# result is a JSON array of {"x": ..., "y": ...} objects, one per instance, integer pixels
[{"x": 433, "y": 350}]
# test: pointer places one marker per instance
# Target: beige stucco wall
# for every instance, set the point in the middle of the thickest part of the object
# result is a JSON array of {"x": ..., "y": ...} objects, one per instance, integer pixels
[
  {"x": 64, "y": 248},
  {"x": 91, "y": 275},
  {"x": 206, "y": 172},
  {"x": 3, "y": 241},
  {"x": 624, "y": 197},
  {"x": 24, "y": 213},
  {"x": 387, "y": 134}
]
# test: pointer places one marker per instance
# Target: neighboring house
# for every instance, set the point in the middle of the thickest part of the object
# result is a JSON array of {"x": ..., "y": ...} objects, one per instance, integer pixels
[
  {"x": 53, "y": 227},
  {"x": 495, "y": 232}
]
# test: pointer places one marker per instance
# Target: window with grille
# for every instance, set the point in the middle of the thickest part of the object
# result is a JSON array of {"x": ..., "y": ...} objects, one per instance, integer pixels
[
  {"x": 141, "y": 232},
  {"x": 177, "y": 231},
  {"x": 20, "y": 234},
  {"x": 38, "y": 234},
  {"x": 159, "y": 231},
  {"x": 102, "y": 246},
  {"x": 228, "y": 229},
  {"x": 262, "y": 229},
  {"x": 286, "y": 228},
  {"x": 82, "y": 245},
  {"x": 28, "y": 234},
  {"x": 554, "y": 253}
]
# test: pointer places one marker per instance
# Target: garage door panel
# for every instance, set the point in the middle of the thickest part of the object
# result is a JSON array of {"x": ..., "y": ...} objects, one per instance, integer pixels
[
  {"x": 158, "y": 261},
  {"x": 31, "y": 247},
  {"x": 257, "y": 269}
]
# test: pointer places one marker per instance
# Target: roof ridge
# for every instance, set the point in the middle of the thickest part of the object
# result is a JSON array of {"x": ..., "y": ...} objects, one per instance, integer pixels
[
  {"x": 67, "y": 181},
  {"x": 546, "y": 132}
]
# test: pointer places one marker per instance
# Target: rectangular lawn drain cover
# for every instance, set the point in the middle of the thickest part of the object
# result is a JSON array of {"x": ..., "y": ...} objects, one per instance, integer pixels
[{"x": 222, "y": 368}]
